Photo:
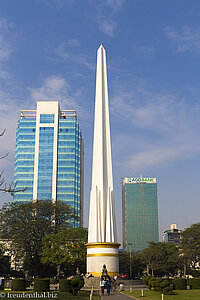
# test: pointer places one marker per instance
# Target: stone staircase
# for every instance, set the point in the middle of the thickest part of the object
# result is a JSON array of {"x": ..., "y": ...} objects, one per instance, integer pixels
[{"x": 95, "y": 283}]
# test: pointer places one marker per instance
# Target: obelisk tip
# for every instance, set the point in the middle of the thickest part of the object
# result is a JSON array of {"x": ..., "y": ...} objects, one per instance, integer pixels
[{"x": 101, "y": 47}]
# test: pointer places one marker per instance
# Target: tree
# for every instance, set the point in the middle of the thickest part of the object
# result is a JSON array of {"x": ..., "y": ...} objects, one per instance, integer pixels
[
  {"x": 149, "y": 257},
  {"x": 66, "y": 248},
  {"x": 190, "y": 247},
  {"x": 161, "y": 259},
  {"x": 136, "y": 263},
  {"x": 25, "y": 225}
]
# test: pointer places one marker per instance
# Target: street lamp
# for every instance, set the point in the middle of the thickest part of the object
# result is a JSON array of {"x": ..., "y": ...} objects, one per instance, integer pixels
[{"x": 130, "y": 244}]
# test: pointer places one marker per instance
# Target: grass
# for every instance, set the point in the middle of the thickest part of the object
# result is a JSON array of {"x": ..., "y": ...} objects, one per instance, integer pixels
[
  {"x": 82, "y": 295},
  {"x": 180, "y": 295}
]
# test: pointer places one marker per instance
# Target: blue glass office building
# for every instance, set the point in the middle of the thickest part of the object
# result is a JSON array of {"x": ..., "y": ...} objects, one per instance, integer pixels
[
  {"x": 139, "y": 213},
  {"x": 49, "y": 157}
]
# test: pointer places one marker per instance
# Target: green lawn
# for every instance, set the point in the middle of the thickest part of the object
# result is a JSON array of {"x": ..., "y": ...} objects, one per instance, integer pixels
[
  {"x": 180, "y": 295},
  {"x": 60, "y": 296}
]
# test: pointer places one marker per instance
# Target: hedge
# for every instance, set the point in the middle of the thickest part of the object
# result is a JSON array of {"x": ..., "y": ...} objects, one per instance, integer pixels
[
  {"x": 179, "y": 283},
  {"x": 19, "y": 284},
  {"x": 64, "y": 285},
  {"x": 41, "y": 284},
  {"x": 194, "y": 283}
]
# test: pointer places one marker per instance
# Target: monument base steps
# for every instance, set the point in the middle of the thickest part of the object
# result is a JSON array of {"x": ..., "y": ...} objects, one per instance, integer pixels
[{"x": 95, "y": 283}]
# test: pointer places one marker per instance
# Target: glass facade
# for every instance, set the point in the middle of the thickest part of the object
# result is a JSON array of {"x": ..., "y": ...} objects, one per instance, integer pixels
[
  {"x": 24, "y": 159},
  {"x": 62, "y": 136},
  {"x": 45, "y": 163},
  {"x": 140, "y": 215},
  {"x": 69, "y": 164}
]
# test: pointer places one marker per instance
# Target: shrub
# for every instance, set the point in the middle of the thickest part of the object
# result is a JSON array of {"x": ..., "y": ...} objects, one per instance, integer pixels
[
  {"x": 41, "y": 284},
  {"x": 152, "y": 283},
  {"x": 179, "y": 283},
  {"x": 146, "y": 279},
  {"x": 168, "y": 290},
  {"x": 194, "y": 283},
  {"x": 19, "y": 284},
  {"x": 159, "y": 283},
  {"x": 64, "y": 285},
  {"x": 73, "y": 286},
  {"x": 163, "y": 283},
  {"x": 76, "y": 284}
]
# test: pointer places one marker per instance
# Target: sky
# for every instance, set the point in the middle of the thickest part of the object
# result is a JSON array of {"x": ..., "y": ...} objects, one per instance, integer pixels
[{"x": 48, "y": 52}]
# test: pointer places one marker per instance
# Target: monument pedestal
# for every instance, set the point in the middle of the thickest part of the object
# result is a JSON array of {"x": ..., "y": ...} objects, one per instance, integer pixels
[{"x": 99, "y": 254}]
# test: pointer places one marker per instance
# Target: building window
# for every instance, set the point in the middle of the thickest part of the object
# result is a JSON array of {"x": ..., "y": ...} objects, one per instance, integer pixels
[
  {"x": 47, "y": 118},
  {"x": 63, "y": 130}
]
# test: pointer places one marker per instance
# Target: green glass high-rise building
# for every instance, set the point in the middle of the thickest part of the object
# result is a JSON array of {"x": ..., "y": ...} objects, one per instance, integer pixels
[
  {"x": 139, "y": 213},
  {"x": 49, "y": 157}
]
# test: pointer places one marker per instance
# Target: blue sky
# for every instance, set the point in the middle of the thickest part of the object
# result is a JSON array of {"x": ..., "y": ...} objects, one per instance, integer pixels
[{"x": 48, "y": 52}]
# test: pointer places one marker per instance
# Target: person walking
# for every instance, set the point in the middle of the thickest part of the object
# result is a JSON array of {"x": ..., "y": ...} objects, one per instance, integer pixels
[
  {"x": 102, "y": 285},
  {"x": 108, "y": 286},
  {"x": 114, "y": 282}
]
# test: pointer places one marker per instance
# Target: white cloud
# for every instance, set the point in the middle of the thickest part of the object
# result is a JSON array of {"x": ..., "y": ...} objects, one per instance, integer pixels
[
  {"x": 65, "y": 52},
  {"x": 4, "y": 24},
  {"x": 5, "y": 45},
  {"x": 159, "y": 128},
  {"x": 5, "y": 48},
  {"x": 188, "y": 39},
  {"x": 8, "y": 106},
  {"x": 107, "y": 27},
  {"x": 55, "y": 88},
  {"x": 105, "y": 14},
  {"x": 9, "y": 112}
]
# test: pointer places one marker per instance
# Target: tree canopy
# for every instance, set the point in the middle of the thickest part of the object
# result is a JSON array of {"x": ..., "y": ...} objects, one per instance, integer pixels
[
  {"x": 66, "y": 248},
  {"x": 137, "y": 264},
  {"x": 26, "y": 224},
  {"x": 190, "y": 245},
  {"x": 161, "y": 259}
]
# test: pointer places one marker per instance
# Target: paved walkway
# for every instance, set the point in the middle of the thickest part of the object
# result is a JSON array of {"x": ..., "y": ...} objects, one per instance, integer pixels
[{"x": 116, "y": 296}]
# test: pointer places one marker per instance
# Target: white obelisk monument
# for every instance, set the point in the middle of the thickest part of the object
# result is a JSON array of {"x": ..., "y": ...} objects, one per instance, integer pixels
[{"x": 102, "y": 247}]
